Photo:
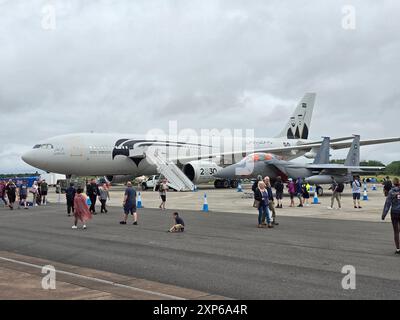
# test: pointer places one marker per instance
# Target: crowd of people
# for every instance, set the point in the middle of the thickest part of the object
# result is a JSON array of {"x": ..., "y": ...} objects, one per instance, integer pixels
[
  {"x": 265, "y": 200},
  {"x": 12, "y": 193},
  {"x": 84, "y": 207}
]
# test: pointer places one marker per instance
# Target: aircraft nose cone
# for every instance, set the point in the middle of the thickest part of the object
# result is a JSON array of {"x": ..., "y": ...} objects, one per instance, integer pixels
[
  {"x": 226, "y": 173},
  {"x": 235, "y": 171},
  {"x": 28, "y": 157}
]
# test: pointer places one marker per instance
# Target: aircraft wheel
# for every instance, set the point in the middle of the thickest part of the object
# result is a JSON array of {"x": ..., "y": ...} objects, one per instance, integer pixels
[{"x": 320, "y": 191}]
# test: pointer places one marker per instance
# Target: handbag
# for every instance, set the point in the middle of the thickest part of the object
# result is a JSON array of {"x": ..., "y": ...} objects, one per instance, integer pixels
[{"x": 256, "y": 204}]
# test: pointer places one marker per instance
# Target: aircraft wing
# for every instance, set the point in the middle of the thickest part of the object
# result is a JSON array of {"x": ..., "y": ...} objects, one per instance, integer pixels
[
  {"x": 344, "y": 145},
  {"x": 281, "y": 150},
  {"x": 338, "y": 168}
]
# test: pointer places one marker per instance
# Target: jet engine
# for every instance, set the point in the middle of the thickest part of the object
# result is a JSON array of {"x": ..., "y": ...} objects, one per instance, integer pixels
[{"x": 201, "y": 171}]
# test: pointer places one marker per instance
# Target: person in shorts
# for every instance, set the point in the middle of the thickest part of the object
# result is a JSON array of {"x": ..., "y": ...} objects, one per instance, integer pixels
[
  {"x": 23, "y": 194},
  {"x": 356, "y": 190},
  {"x": 162, "y": 189},
  {"x": 129, "y": 204}
]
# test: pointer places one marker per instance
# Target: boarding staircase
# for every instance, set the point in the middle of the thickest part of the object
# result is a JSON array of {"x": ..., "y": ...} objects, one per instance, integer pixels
[{"x": 176, "y": 178}]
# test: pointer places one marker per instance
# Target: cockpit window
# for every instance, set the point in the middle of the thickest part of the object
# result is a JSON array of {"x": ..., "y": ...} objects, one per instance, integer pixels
[
  {"x": 44, "y": 146},
  {"x": 255, "y": 157}
]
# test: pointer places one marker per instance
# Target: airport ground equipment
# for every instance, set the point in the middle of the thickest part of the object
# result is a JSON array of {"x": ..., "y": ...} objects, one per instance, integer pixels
[{"x": 176, "y": 178}]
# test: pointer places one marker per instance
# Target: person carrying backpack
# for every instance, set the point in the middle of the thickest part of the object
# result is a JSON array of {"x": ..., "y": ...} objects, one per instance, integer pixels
[{"x": 393, "y": 204}]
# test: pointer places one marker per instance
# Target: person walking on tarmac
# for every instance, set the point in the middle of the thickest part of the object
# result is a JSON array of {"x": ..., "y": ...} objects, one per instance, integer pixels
[
  {"x": 82, "y": 211},
  {"x": 356, "y": 190},
  {"x": 11, "y": 190},
  {"x": 129, "y": 204},
  {"x": 279, "y": 187},
  {"x": 104, "y": 195},
  {"x": 3, "y": 193},
  {"x": 93, "y": 192},
  {"x": 271, "y": 203},
  {"x": 299, "y": 191},
  {"x": 162, "y": 190},
  {"x": 393, "y": 204},
  {"x": 23, "y": 194},
  {"x": 336, "y": 193},
  {"x": 44, "y": 188},
  {"x": 292, "y": 191},
  {"x": 70, "y": 195}
]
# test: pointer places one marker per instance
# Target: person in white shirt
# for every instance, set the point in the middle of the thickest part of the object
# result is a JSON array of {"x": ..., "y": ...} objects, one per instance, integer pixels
[{"x": 356, "y": 189}]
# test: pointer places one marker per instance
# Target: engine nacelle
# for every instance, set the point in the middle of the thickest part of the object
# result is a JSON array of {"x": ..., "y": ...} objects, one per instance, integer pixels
[{"x": 201, "y": 171}]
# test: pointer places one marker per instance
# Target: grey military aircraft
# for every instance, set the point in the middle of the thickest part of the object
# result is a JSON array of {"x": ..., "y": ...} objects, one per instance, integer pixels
[{"x": 316, "y": 173}]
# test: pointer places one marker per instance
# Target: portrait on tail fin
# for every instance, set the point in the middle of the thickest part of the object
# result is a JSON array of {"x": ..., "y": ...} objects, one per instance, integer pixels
[{"x": 298, "y": 126}]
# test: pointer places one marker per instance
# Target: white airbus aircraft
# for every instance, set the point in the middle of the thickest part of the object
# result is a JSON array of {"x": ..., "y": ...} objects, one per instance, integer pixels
[{"x": 184, "y": 161}]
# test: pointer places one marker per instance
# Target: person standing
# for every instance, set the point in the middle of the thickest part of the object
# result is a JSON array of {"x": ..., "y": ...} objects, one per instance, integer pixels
[
  {"x": 356, "y": 190},
  {"x": 393, "y": 204},
  {"x": 335, "y": 194},
  {"x": 299, "y": 191},
  {"x": 92, "y": 191},
  {"x": 44, "y": 188},
  {"x": 262, "y": 199},
  {"x": 162, "y": 189},
  {"x": 70, "y": 195},
  {"x": 23, "y": 194},
  {"x": 279, "y": 187},
  {"x": 292, "y": 191},
  {"x": 11, "y": 190},
  {"x": 3, "y": 193},
  {"x": 387, "y": 186},
  {"x": 34, "y": 190},
  {"x": 271, "y": 202},
  {"x": 129, "y": 204},
  {"x": 179, "y": 225},
  {"x": 306, "y": 194},
  {"x": 82, "y": 211},
  {"x": 104, "y": 195}
]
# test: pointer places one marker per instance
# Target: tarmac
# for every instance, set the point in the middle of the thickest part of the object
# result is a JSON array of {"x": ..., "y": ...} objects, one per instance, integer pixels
[{"x": 221, "y": 255}]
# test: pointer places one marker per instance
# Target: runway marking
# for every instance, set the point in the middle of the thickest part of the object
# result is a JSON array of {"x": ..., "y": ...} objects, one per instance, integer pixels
[{"x": 114, "y": 284}]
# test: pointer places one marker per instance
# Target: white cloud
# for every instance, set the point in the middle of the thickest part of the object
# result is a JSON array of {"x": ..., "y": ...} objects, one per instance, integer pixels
[{"x": 115, "y": 65}]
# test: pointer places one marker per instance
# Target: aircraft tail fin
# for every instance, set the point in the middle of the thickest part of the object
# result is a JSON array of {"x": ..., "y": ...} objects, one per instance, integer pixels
[
  {"x": 322, "y": 156},
  {"x": 298, "y": 126},
  {"x": 353, "y": 158}
]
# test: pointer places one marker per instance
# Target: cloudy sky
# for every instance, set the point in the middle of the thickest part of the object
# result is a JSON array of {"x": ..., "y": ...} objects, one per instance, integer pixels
[{"x": 131, "y": 66}]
